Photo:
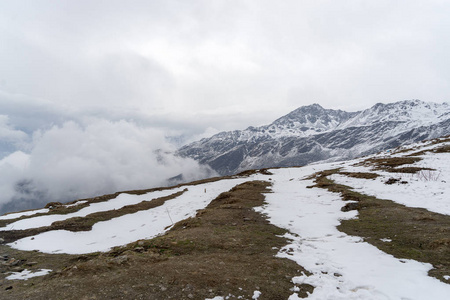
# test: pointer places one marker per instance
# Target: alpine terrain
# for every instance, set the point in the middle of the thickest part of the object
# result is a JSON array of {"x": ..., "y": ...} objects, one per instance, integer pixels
[
  {"x": 312, "y": 133},
  {"x": 375, "y": 227}
]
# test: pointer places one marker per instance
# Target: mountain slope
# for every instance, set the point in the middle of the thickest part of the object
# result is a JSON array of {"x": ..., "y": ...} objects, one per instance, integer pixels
[
  {"x": 358, "y": 229},
  {"x": 312, "y": 133}
]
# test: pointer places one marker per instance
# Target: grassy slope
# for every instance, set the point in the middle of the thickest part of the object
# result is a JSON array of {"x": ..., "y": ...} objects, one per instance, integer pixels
[{"x": 227, "y": 248}]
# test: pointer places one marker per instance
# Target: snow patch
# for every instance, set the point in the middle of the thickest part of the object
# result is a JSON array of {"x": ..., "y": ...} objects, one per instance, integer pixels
[{"x": 27, "y": 274}]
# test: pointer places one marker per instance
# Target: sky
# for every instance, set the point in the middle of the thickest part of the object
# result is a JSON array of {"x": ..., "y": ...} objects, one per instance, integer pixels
[{"x": 84, "y": 84}]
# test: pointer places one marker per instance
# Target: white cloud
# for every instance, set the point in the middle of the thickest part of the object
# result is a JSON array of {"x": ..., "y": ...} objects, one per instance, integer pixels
[
  {"x": 191, "y": 68},
  {"x": 185, "y": 57},
  {"x": 73, "y": 161},
  {"x": 8, "y": 133}
]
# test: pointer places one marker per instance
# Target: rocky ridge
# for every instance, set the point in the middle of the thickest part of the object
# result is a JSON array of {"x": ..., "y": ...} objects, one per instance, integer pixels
[{"x": 313, "y": 133}]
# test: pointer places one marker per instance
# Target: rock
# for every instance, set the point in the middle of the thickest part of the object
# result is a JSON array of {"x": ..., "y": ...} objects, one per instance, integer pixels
[
  {"x": 350, "y": 206},
  {"x": 8, "y": 288},
  {"x": 52, "y": 205},
  {"x": 120, "y": 259},
  {"x": 13, "y": 262},
  {"x": 2, "y": 241},
  {"x": 139, "y": 249},
  {"x": 17, "y": 269}
]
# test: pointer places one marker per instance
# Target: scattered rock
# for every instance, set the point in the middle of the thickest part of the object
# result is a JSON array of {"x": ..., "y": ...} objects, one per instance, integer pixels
[
  {"x": 350, "y": 206},
  {"x": 52, "y": 205},
  {"x": 17, "y": 269},
  {"x": 391, "y": 180},
  {"x": 120, "y": 259}
]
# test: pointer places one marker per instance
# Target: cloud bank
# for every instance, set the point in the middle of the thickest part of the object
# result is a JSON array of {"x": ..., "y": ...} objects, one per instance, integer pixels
[
  {"x": 74, "y": 160},
  {"x": 89, "y": 90}
]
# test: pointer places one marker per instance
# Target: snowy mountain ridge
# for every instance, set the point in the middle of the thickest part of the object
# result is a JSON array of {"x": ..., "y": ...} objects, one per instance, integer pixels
[{"x": 312, "y": 133}]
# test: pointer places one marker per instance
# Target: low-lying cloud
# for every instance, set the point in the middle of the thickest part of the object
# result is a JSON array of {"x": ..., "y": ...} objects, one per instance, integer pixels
[{"x": 76, "y": 160}]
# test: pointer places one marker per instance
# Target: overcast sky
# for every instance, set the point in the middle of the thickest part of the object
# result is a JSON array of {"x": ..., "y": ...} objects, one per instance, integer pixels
[{"x": 194, "y": 68}]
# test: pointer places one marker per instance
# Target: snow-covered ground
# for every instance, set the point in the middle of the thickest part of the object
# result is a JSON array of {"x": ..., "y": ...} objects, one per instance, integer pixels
[
  {"x": 24, "y": 213},
  {"x": 425, "y": 189},
  {"x": 27, "y": 274},
  {"x": 116, "y": 203},
  {"x": 128, "y": 228},
  {"x": 342, "y": 266}
]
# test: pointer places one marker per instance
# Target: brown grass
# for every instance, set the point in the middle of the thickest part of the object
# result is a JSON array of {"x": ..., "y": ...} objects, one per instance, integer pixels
[
  {"x": 59, "y": 209},
  {"x": 416, "y": 233},
  {"x": 227, "y": 248},
  {"x": 388, "y": 163},
  {"x": 409, "y": 170},
  {"x": 360, "y": 175},
  {"x": 86, "y": 223}
]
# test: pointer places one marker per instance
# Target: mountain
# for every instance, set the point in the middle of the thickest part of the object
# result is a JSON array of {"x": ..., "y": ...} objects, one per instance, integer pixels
[
  {"x": 313, "y": 133},
  {"x": 357, "y": 229}
]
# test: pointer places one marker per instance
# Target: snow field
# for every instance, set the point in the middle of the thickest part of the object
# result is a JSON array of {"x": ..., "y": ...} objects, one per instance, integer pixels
[
  {"x": 342, "y": 266},
  {"x": 24, "y": 213},
  {"x": 433, "y": 195},
  {"x": 27, "y": 274},
  {"x": 116, "y": 203},
  {"x": 132, "y": 227}
]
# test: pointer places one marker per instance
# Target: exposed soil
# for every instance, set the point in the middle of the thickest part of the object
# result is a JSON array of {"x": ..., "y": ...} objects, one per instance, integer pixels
[
  {"x": 389, "y": 163},
  {"x": 85, "y": 223},
  {"x": 416, "y": 233},
  {"x": 227, "y": 249},
  {"x": 62, "y": 209},
  {"x": 360, "y": 175},
  {"x": 409, "y": 170}
]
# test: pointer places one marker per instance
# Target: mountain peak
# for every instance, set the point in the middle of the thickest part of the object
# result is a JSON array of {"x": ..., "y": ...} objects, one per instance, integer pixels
[
  {"x": 312, "y": 133},
  {"x": 313, "y": 118}
]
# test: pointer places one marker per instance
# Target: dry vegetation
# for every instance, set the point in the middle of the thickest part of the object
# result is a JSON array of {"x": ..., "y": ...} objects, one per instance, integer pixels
[
  {"x": 415, "y": 232},
  {"x": 226, "y": 249}
]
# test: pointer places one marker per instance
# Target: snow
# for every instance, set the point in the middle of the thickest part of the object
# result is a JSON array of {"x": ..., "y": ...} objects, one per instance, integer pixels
[
  {"x": 128, "y": 228},
  {"x": 76, "y": 203},
  {"x": 116, "y": 203},
  {"x": 256, "y": 295},
  {"x": 342, "y": 266},
  {"x": 27, "y": 274},
  {"x": 35, "y": 211},
  {"x": 433, "y": 194},
  {"x": 24, "y": 213}
]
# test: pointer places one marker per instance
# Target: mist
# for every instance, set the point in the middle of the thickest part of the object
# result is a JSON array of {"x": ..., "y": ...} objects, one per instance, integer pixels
[{"x": 77, "y": 160}]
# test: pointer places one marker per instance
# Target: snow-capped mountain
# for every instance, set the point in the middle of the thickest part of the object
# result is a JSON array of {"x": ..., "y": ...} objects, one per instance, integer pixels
[{"x": 312, "y": 133}]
